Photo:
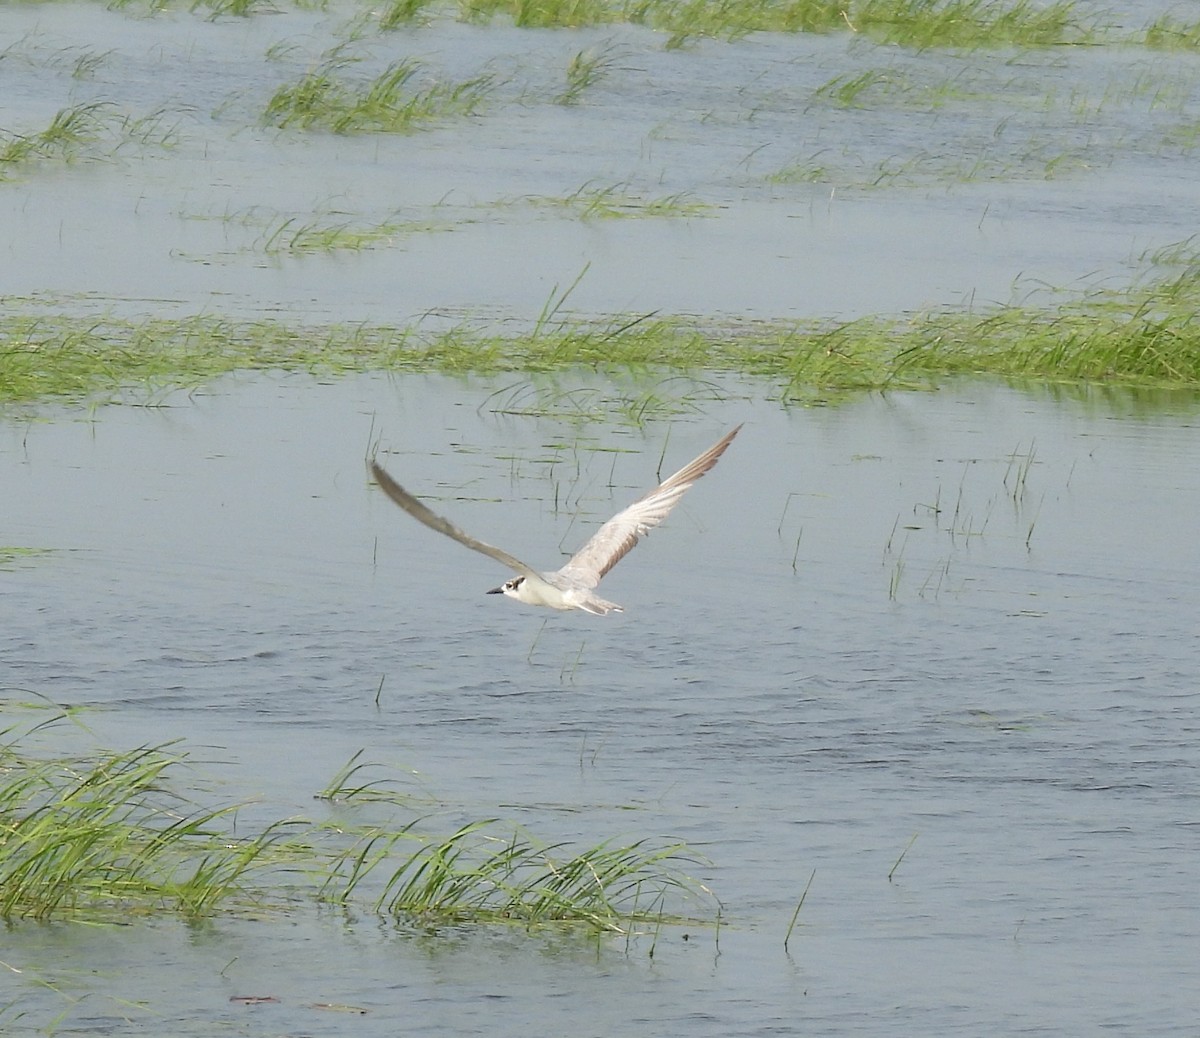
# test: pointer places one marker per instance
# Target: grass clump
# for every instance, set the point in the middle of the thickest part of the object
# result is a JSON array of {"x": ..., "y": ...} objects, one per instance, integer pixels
[
  {"x": 235, "y": 8},
  {"x": 325, "y": 99},
  {"x": 893, "y": 88},
  {"x": 1151, "y": 338},
  {"x": 489, "y": 873},
  {"x": 401, "y": 12},
  {"x": 478, "y": 877},
  {"x": 965, "y": 167},
  {"x": 106, "y": 834},
  {"x": 94, "y": 130},
  {"x": 617, "y": 201},
  {"x": 70, "y": 132},
  {"x": 968, "y": 23},
  {"x": 1168, "y": 33},
  {"x": 544, "y": 14},
  {"x": 586, "y": 69},
  {"x": 294, "y": 237}
]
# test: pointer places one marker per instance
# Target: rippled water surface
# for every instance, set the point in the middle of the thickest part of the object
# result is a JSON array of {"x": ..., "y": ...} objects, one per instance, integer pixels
[
  {"x": 967, "y": 617},
  {"x": 958, "y": 627}
]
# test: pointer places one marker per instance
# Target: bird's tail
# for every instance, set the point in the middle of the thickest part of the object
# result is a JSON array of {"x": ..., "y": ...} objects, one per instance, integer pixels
[{"x": 599, "y": 607}]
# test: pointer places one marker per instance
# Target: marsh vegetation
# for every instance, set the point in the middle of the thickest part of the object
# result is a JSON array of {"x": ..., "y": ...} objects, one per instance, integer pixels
[
  {"x": 335, "y": 189},
  {"x": 109, "y": 834},
  {"x": 92, "y": 130},
  {"x": 917, "y": 23},
  {"x": 390, "y": 102},
  {"x": 1145, "y": 336}
]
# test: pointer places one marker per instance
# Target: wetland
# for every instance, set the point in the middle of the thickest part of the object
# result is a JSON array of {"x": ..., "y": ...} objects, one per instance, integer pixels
[{"x": 897, "y": 732}]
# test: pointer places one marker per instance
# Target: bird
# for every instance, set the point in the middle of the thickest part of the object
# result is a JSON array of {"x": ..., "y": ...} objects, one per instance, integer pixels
[{"x": 571, "y": 585}]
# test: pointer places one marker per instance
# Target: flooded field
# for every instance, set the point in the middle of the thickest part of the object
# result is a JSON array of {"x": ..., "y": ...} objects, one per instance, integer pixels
[
  {"x": 967, "y": 618},
  {"x": 902, "y": 709},
  {"x": 776, "y": 175}
]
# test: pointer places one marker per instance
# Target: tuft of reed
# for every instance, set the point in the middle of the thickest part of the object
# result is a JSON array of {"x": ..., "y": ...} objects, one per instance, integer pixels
[
  {"x": 399, "y": 13},
  {"x": 235, "y": 8},
  {"x": 911, "y": 23},
  {"x": 69, "y": 133},
  {"x": 617, "y": 201},
  {"x": 586, "y": 69},
  {"x": 475, "y": 876},
  {"x": 543, "y": 14},
  {"x": 802, "y": 171},
  {"x": 969, "y": 23},
  {"x": 106, "y": 834},
  {"x": 324, "y": 99},
  {"x": 86, "y": 64},
  {"x": 1169, "y": 33},
  {"x": 91, "y": 130},
  {"x": 1149, "y": 336},
  {"x": 293, "y": 237},
  {"x": 351, "y": 786}
]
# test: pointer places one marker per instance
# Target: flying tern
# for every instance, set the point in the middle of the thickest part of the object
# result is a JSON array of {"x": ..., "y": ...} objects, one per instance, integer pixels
[{"x": 571, "y": 586}]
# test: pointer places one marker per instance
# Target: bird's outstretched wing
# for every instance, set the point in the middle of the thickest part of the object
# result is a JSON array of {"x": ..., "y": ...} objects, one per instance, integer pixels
[
  {"x": 612, "y": 542},
  {"x": 435, "y": 522}
]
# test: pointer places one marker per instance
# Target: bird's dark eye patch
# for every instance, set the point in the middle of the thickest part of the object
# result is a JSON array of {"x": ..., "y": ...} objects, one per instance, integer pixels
[{"x": 515, "y": 583}]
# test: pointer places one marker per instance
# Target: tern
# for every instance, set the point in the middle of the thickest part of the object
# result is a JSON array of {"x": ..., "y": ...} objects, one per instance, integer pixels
[{"x": 571, "y": 586}]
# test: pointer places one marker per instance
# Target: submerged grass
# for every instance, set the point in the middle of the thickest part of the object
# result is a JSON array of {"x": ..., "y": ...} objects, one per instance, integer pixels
[
  {"x": 13, "y": 556},
  {"x": 294, "y": 237},
  {"x": 619, "y": 201},
  {"x": 586, "y": 69},
  {"x": 1146, "y": 336},
  {"x": 326, "y": 99},
  {"x": 1045, "y": 160}
]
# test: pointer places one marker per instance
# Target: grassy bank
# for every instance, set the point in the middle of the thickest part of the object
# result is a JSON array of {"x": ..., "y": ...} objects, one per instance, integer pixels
[{"x": 1146, "y": 336}]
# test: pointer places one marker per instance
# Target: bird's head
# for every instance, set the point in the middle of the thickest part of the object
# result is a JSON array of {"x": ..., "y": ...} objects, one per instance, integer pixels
[{"x": 512, "y": 588}]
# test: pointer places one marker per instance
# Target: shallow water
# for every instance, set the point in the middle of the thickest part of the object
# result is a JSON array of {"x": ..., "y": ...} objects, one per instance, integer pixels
[
  {"x": 967, "y": 616},
  {"x": 1011, "y": 679},
  {"x": 979, "y": 177}
]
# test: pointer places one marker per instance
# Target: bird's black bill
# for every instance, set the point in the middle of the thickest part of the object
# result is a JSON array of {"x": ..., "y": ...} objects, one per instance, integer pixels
[{"x": 495, "y": 591}]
